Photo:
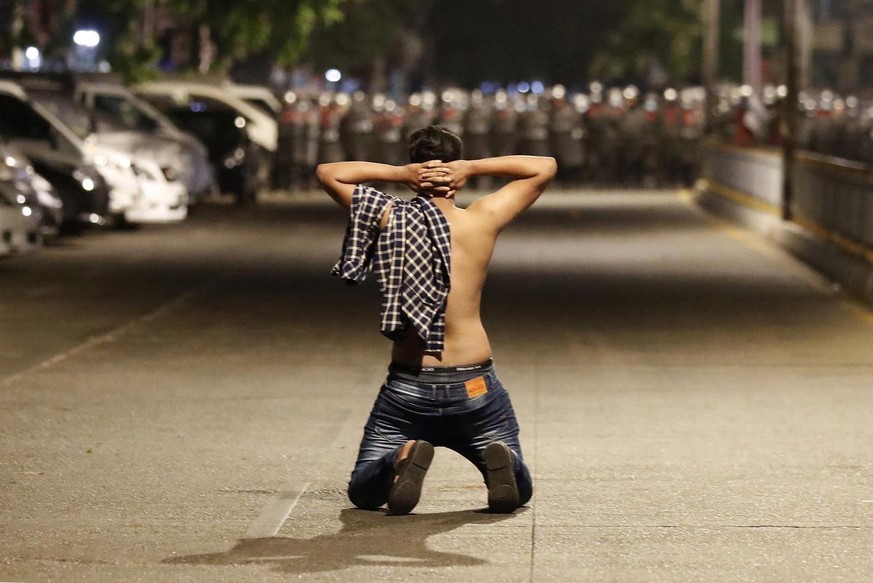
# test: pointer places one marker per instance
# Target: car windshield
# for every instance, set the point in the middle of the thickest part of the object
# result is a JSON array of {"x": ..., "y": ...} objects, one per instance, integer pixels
[
  {"x": 126, "y": 113},
  {"x": 69, "y": 112},
  {"x": 72, "y": 114},
  {"x": 220, "y": 129}
]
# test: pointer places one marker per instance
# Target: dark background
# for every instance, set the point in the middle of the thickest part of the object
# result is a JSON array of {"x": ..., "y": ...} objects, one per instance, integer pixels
[{"x": 511, "y": 40}]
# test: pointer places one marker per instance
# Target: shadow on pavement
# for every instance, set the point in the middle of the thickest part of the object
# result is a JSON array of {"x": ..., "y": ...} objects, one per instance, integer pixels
[{"x": 367, "y": 538}]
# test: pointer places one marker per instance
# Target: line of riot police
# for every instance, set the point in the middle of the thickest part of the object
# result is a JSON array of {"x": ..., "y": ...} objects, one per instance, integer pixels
[
  {"x": 828, "y": 123},
  {"x": 601, "y": 137}
]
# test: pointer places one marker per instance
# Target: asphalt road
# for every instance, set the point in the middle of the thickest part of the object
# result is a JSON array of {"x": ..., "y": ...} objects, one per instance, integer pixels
[{"x": 184, "y": 403}]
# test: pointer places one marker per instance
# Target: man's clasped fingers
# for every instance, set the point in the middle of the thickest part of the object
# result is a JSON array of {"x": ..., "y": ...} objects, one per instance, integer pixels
[{"x": 436, "y": 178}]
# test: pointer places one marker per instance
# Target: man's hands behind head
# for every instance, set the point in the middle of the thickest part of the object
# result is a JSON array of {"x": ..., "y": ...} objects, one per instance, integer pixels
[{"x": 436, "y": 178}]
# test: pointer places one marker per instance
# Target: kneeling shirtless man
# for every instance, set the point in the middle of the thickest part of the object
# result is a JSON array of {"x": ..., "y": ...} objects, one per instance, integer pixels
[{"x": 431, "y": 258}]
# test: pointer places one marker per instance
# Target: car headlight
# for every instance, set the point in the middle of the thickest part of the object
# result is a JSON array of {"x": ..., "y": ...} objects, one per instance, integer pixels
[
  {"x": 86, "y": 181},
  {"x": 8, "y": 167},
  {"x": 114, "y": 161}
]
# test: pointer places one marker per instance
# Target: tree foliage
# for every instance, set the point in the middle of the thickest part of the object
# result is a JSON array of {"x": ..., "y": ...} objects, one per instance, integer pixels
[
  {"x": 243, "y": 27},
  {"x": 659, "y": 41},
  {"x": 451, "y": 40},
  {"x": 369, "y": 30},
  {"x": 237, "y": 28}
]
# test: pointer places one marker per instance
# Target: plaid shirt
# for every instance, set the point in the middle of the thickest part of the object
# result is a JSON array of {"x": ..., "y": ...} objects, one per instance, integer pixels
[{"x": 411, "y": 259}]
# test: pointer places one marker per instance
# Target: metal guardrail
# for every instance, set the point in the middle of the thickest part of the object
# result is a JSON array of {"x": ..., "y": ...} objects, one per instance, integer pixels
[
  {"x": 753, "y": 172},
  {"x": 831, "y": 197}
]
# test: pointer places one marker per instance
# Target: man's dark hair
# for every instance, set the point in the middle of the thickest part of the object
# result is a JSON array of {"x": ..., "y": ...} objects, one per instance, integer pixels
[{"x": 434, "y": 143}]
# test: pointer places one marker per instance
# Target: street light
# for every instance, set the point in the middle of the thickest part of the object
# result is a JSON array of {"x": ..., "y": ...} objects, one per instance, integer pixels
[
  {"x": 84, "y": 53},
  {"x": 86, "y": 38},
  {"x": 32, "y": 59}
]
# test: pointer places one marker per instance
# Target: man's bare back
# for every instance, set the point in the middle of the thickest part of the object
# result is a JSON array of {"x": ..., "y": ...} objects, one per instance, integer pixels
[
  {"x": 465, "y": 341},
  {"x": 474, "y": 231}
]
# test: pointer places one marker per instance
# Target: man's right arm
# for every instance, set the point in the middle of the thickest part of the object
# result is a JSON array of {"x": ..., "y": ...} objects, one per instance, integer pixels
[
  {"x": 529, "y": 177},
  {"x": 339, "y": 179}
]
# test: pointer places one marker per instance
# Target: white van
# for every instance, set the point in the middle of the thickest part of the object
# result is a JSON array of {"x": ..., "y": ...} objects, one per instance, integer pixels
[{"x": 263, "y": 129}]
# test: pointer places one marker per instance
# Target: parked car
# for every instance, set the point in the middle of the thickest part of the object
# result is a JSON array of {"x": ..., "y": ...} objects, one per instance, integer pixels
[
  {"x": 57, "y": 155},
  {"x": 138, "y": 127},
  {"x": 240, "y": 166},
  {"x": 262, "y": 128},
  {"x": 51, "y": 203},
  {"x": 140, "y": 190},
  {"x": 33, "y": 190},
  {"x": 82, "y": 189},
  {"x": 160, "y": 139},
  {"x": 155, "y": 195},
  {"x": 19, "y": 216},
  {"x": 12, "y": 228}
]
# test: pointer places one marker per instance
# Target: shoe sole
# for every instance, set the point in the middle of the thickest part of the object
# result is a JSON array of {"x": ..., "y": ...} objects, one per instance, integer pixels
[
  {"x": 502, "y": 490},
  {"x": 406, "y": 491}
]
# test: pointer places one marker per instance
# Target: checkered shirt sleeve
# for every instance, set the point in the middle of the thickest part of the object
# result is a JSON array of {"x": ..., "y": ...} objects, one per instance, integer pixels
[{"x": 362, "y": 231}]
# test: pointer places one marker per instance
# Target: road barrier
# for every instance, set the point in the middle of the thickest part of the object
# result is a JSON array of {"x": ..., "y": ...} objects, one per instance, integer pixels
[
  {"x": 832, "y": 204},
  {"x": 837, "y": 196}
]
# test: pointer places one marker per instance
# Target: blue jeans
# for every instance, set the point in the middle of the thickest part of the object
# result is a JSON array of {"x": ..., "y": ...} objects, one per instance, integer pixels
[{"x": 464, "y": 415}]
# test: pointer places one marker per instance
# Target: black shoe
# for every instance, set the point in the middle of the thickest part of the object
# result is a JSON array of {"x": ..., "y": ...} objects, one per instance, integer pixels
[
  {"x": 411, "y": 470},
  {"x": 502, "y": 489}
]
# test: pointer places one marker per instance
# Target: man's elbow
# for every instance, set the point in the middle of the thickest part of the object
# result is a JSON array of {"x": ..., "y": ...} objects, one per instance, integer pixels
[
  {"x": 550, "y": 167},
  {"x": 327, "y": 175},
  {"x": 323, "y": 173}
]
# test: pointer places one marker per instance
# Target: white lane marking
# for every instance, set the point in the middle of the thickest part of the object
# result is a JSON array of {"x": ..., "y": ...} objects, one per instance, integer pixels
[
  {"x": 276, "y": 511},
  {"x": 110, "y": 336}
]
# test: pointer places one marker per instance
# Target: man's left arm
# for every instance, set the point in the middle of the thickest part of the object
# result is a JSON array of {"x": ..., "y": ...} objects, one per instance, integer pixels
[{"x": 339, "y": 179}]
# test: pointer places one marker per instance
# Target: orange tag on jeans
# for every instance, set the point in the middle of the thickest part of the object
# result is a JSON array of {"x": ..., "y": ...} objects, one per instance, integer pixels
[{"x": 476, "y": 387}]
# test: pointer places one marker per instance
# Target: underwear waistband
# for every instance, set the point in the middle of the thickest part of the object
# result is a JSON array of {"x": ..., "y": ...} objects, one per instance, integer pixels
[
  {"x": 440, "y": 374},
  {"x": 479, "y": 366}
]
